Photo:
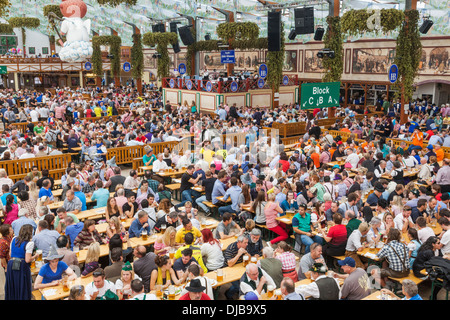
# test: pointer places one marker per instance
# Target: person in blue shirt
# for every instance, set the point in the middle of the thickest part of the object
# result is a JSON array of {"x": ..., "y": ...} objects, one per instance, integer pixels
[
  {"x": 219, "y": 187},
  {"x": 51, "y": 273},
  {"x": 5, "y": 190},
  {"x": 45, "y": 190},
  {"x": 413, "y": 125},
  {"x": 101, "y": 195},
  {"x": 72, "y": 229},
  {"x": 138, "y": 225},
  {"x": 289, "y": 204},
  {"x": 80, "y": 195},
  {"x": 409, "y": 290},
  {"x": 233, "y": 192},
  {"x": 22, "y": 220}
]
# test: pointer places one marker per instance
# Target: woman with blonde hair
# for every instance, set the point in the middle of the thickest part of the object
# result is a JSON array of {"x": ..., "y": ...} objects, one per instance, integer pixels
[
  {"x": 166, "y": 241},
  {"x": 115, "y": 227},
  {"x": 92, "y": 257},
  {"x": 34, "y": 190},
  {"x": 123, "y": 284},
  {"x": 397, "y": 205}
]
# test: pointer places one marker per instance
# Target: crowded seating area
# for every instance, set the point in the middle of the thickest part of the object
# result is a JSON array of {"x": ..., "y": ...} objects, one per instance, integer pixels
[{"x": 218, "y": 206}]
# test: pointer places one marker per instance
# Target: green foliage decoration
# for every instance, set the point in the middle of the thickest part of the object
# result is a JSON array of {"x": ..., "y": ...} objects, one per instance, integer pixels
[
  {"x": 4, "y": 8},
  {"x": 115, "y": 3},
  {"x": 354, "y": 22},
  {"x": 333, "y": 41},
  {"x": 162, "y": 41},
  {"x": 238, "y": 30},
  {"x": 275, "y": 61},
  {"x": 137, "y": 57},
  {"x": 5, "y": 28},
  {"x": 23, "y": 22},
  {"x": 52, "y": 8},
  {"x": 114, "y": 43},
  {"x": 408, "y": 52}
]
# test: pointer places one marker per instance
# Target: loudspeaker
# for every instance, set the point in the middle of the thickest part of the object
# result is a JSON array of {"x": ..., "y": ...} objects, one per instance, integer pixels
[
  {"x": 319, "y": 34},
  {"x": 274, "y": 30},
  {"x": 176, "y": 47},
  {"x": 158, "y": 27},
  {"x": 292, "y": 34},
  {"x": 304, "y": 20},
  {"x": 207, "y": 37},
  {"x": 186, "y": 35},
  {"x": 426, "y": 25},
  {"x": 173, "y": 27}
]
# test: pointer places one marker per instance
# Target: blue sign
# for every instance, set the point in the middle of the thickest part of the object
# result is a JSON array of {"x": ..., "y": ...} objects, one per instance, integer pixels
[
  {"x": 285, "y": 80},
  {"x": 263, "y": 70},
  {"x": 227, "y": 56},
  {"x": 172, "y": 83},
  {"x": 393, "y": 73},
  {"x": 126, "y": 67},
  {"x": 234, "y": 86},
  {"x": 261, "y": 83},
  {"x": 209, "y": 86},
  {"x": 88, "y": 66},
  {"x": 189, "y": 84},
  {"x": 182, "y": 68}
]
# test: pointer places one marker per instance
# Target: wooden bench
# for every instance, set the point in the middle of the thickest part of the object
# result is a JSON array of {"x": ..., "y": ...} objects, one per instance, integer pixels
[
  {"x": 18, "y": 169},
  {"x": 411, "y": 276},
  {"x": 213, "y": 207}
]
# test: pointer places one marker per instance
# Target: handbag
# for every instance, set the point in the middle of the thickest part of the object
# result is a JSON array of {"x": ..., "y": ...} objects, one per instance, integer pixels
[{"x": 16, "y": 263}]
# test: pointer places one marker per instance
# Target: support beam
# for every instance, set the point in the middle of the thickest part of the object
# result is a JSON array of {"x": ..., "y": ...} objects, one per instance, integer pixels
[
  {"x": 230, "y": 17},
  {"x": 16, "y": 81},
  {"x": 81, "y": 79}
]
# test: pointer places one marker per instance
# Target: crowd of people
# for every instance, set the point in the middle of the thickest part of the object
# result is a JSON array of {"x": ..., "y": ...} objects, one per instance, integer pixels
[{"x": 334, "y": 211}]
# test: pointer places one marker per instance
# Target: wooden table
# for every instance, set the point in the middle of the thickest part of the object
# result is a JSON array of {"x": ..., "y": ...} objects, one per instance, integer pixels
[
  {"x": 374, "y": 296},
  {"x": 101, "y": 227},
  {"x": 171, "y": 173},
  {"x": 221, "y": 199},
  {"x": 92, "y": 213},
  {"x": 104, "y": 251},
  {"x": 406, "y": 174},
  {"x": 60, "y": 294},
  {"x": 286, "y": 219},
  {"x": 145, "y": 168}
]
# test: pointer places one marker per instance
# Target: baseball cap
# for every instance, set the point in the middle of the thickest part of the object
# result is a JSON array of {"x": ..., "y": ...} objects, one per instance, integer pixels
[
  {"x": 349, "y": 261},
  {"x": 250, "y": 296},
  {"x": 430, "y": 147},
  {"x": 415, "y": 192}
]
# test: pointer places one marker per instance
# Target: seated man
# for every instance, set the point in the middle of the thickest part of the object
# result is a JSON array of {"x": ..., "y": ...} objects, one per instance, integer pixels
[
  {"x": 233, "y": 192},
  {"x": 196, "y": 251},
  {"x": 195, "y": 291},
  {"x": 287, "y": 288},
  {"x": 255, "y": 244},
  {"x": 255, "y": 280},
  {"x": 187, "y": 228},
  {"x": 137, "y": 291},
  {"x": 234, "y": 254},
  {"x": 182, "y": 263},
  {"x": 301, "y": 224},
  {"x": 271, "y": 265},
  {"x": 308, "y": 260},
  {"x": 99, "y": 287},
  {"x": 138, "y": 225},
  {"x": 223, "y": 230},
  {"x": 323, "y": 287},
  {"x": 356, "y": 284}
]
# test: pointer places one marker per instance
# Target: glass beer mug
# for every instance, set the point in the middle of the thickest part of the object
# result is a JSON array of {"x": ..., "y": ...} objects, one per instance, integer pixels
[
  {"x": 219, "y": 275},
  {"x": 245, "y": 259},
  {"x": 171, "y": 292},
  {"x": 270, "y": 289},
  {"x": 144, "y": 235}
]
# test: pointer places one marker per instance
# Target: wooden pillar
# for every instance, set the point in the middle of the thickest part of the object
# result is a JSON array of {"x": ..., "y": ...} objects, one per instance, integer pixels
[
  {"x": 81, "y": 79},
  {"x": 331, "y": 111},
  {"x": 230, "y": 66},
  {"x": 347, "y": 86},
  {"x": 136, "y": 30}
]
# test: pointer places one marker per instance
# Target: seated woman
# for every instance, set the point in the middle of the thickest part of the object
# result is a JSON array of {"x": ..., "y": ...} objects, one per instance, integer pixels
[
  {"x": 289, "y": 204},
  {"x": 166, "y": 241},
  {"x": 163, "y": 208},
  {"x": 336, "y": 239},
  {"x": 163, "y": 194},
  {"x": 112, "y": 209},
  {"x": 92, "y": 257},
  {"x": 115, "y": 227},
  {"x": 123, "y": 285},
  {"x": 51, "y": 273},
  {"x": 164, "y": 275},
  {"x": 287, "y": 258},
  {"x": 211, "y": 251},
  {"x": 88, "y": 235}
]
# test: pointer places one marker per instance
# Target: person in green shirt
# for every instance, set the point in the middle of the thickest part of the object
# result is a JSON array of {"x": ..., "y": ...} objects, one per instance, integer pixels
[
  {"x": 353, "y": 223},
  {"x": 386, "y": 104},
  {"x": 149, "y": 157},
  {"x": 39, "y": 128},
  {"x": 61, "y": 214},
  {"x": 301, "y": 225},
  {"x": 318, "y": 186}
]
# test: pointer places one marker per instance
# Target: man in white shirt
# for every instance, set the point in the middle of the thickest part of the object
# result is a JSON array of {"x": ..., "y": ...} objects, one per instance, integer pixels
[
  {"x": 34, "y": 115},
  {"x": 96, "y": 289},
  {"x": 159, "y": 164},
  {"x": 255, "y": 280},
  {"x": 328, "y": 285},
  {"x": 404, "y": 220},
  {"x": 352, "y": 158},
  {"x": 445, "y": 239},
  {"x": 137, "y": 291},
  {"x": 27, "y": 154},
  {"x": 423, "y": 231}
]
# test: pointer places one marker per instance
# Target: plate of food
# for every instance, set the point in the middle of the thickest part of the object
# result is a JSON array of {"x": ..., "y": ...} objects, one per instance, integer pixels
[
  {"x": 209, "y": 223},
  {"x": 213, "y": 282}
]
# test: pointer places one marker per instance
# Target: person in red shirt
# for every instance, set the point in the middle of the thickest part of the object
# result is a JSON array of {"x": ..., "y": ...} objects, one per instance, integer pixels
[
  {"x": 284, "y": 160},
  {"x": 195, "y": 291},
  {"x": 141, "y": 138},
  {"x": 336, "y": 240}
]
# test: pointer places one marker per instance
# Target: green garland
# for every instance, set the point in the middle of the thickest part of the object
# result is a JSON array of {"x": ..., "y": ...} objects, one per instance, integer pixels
[
  {"x": 275, "y": 61},
  {"x": 333, "y": 41},
  {"x": 354, "y": 22},
  {"x": 161, "y": 40},
  {"x": 52, "y": 8},
  {"x": 115, "y": 3},
  {"x": 137, "y": 57},
  {"x": 5, "y": 28},
  {"x": 4, "y": 8},
  {"x": 114, "y": 42},
  {"x": 238, "y": 30},
  {"x": 21, "y": 22},
  {"x": 408, "y": 52}
]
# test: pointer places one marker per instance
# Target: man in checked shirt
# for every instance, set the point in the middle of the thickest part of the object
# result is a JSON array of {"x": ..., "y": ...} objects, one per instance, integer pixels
[{"x": 397, "y": 261}]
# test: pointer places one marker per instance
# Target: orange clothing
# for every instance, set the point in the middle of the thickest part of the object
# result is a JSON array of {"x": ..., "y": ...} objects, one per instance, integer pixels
[
  {"x": 332, "y": 150},
  {"x": 417, "y": 139},
  {"x": 346, "y": 130},
  {"x": 315, "y": 157},
  {"x": 439, "y": 154}
]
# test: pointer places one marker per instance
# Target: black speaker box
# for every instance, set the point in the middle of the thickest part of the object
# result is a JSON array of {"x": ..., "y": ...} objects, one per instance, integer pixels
[
  {"x": 292, "y": 34},
  {"x": 426, "y": 25},
  {"x": 319, "y": 34},
  {"x": 274, "y": 30},
  {"x": 186, "y": 36},
  {"x": 304, "y": 20}
]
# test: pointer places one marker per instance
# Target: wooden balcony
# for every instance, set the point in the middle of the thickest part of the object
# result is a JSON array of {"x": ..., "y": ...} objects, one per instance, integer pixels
[{"x": 17, "y": 64}]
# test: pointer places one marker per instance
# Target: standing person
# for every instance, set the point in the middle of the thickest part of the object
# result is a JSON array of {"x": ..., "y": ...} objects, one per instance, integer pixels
[
  {"x": 18, "y": 274},
  {"x": 271, "y": 209}
]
